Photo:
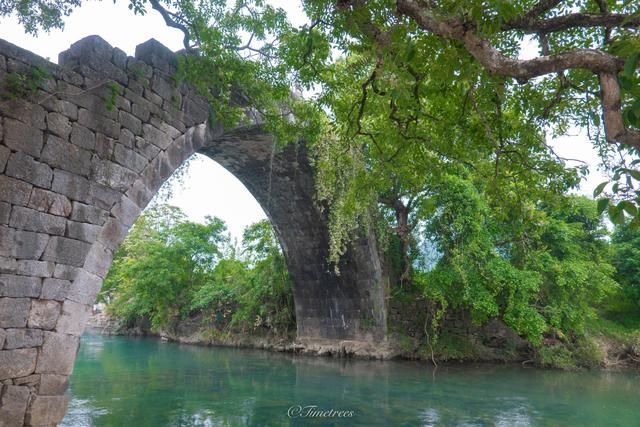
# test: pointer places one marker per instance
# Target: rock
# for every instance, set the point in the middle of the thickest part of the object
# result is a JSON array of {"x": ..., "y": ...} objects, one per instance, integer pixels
[
  {"x": 56, "y": 289},
  {"x": 47, "y": 410},
  {"x": 14, "y": 312},
  {"x": 23, "y": 338},
  {"x": 13, "y": 404},
  {"x": 66, "y": 251},
  {"x": 17, "y": 363},
  {"x": 44, "y": 314},
  {"x": 57, "y": 354},
  {"x": 73, "y": 319},
  {"x": 20, "y": 286}
]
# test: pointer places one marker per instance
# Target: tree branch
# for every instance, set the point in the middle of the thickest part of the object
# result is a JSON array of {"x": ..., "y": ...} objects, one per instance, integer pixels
[{"x": 574, "y": 20}]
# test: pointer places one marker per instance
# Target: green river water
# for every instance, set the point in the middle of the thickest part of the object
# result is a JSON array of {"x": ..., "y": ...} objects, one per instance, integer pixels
[{"x": 121, "y": 381}]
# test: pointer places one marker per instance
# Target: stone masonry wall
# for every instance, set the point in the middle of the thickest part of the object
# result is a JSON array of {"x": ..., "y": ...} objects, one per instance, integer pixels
[{"x": 84, "y": 146}]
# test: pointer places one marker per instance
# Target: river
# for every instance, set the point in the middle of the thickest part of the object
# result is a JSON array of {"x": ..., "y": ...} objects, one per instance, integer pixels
[{"x": 122, "y": 381}]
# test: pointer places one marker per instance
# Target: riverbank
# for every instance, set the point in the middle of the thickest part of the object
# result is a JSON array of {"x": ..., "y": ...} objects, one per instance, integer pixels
[{"x": 459, "y": 342}]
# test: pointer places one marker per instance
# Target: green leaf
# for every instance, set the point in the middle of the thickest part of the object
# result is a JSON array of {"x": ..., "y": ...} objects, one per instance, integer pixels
[
  {"x": 599, "y": 188},
  {"x": 602, "y": 205},
  {"x": 628, "y": 207},
  {"x": 634, "y": 173},
  {"x": 630, "y": 64},
  {"x": 616, "y": 215},
  {"x": 625, "y": 82}
]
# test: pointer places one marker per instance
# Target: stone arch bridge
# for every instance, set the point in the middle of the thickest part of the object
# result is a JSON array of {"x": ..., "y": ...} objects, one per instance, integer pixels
[{"x": 74, "y": 176}]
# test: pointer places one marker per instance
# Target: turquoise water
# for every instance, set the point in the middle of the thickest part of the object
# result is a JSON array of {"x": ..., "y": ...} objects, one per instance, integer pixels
[{"x": 120, "y": 381}]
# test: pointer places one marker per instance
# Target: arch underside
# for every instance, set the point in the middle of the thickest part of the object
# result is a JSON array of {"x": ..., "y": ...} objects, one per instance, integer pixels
[{"x": 74, "y": 176}]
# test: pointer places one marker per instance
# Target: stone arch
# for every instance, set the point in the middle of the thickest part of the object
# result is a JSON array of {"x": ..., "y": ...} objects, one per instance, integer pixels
[{"x": 84, "y": 146}]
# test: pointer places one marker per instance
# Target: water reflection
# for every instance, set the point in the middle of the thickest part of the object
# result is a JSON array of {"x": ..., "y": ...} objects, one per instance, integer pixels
[{"x": 123, "y": 381}]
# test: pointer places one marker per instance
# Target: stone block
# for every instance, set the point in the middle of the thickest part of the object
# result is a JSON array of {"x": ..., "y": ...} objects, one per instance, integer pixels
[
  {"x": 57, "y": 354},
  {"x": 20, "y": 286},
  {"x": 112, "y": 175},
  {"x": 59, "y": 125},
  {"x": 85, "y": 288},
  {"x": 131, "y": 122},
  {"x": 153, "y": 97},
  {"x": 23, "y": 338},
  {"x": 126, "y": 211},
  {"x": 65, "y": 108},
  {"x": 127, "y": 138},
  {"x": 56, "y": 289},
  {"x": 13, "y": 405},
  {"x": 29, "y": 267},
  {"x": 98, "y": 260},
  {"x": 5, "y": 212},
  {"x": 28, "y": 245},
  {"x": 33, "y": 220},
  {"x": 44, "y": 314},
  {"x": 14, "y": 312},
  {"x": 113, "y": 233},
  {"x": 26, "y": 112},
  {"x": 98, "y": 123},
  {"x": 17, "y": 363},
  {"x": 48, "y": 201},
  {"x": 104, "y": 197},
  {"x": 140, "y": 111},
  {"x": 129, "y": 158},
  {"x": 14, "y": 191},
  {"x": 4, "y": 155},
  {"x": 26, "y": 168},
  {"x": 51, "y": 384},
  {"x": 88, "y": 213},
  {"x": 46, "y": 410},
  {"x": 72, "y": 320},
  {"x": 83, "y": 231},
  {"x": 83, "y": 137},
  {"x": 146, "y": 149},
  {"x": 8, "y": 266},
  {"x": 104, "y": 146},
  {"x": 3, "y": 336},
  {"x": 67, "y": 156},
  {"x": 66, "y": 251},
  {"x": 155, "y": 136},
  {"x": 73, "y": 186},
  {"x": 66, "y": 272},
  {"x": 21, "y": 137},
  {"x": 139, "y": 193},
  {"x": 31, "y": 380}
]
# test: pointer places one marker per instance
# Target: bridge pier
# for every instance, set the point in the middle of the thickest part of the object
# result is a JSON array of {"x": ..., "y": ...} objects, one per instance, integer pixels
[{"x": 84, "y": 146}]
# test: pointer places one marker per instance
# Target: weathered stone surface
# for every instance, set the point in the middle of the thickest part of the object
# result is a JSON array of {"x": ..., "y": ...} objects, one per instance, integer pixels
[
  {"x": 35, "y": 268},
  {"x": 66, "y": 251},
  {"x": 83, "y": 231},
  {"x": 3, "y": 336},
  {"x": 32, "y": 220},
  {"x": 23, "y": 338},
  {"x": 104, "y": 197},
  {"x": 112, "y": 175},
  {"x": 65, "y": 108},
  {"x": 67, "y": 156},
  {"x": 73, "y": 186},
  {"x": 104, "y": 146},
  {"x": 98, "y": 260},
  {"x": 98, "y": 123},
  {"x": 126, "y": 211},
  {"x": 20, "y": 286},
  {"x": 56, "y": 289},
  {"x": 5, "y": 212},
  {"x": 88, "y": 213},
  {"x": 13, "y": 404},
  {"x": 129, "y": 158},
  {"x": 22, "y": 137},
  {"x": 8, "y": 266},
  {"x": 31, "y": 380},
  {"x": 26, "y": 168},
  {"x": 28, "y": 245},
  {"x": 4, "y": 156},
  {"x": 147, "y": 149},
  {"x": 66, "y": 272},
  {"x": 59, "y": 125},
  {"x": 44, "y": 313},
  {"x": 155, "y": 136},
  {"x": 131, "y": 122},
  {"x": 73, "y": 318},
  {"x": 51, "y": 384},
  {"x": 83, "y": 137},
  {"x": 139, "y": 193},
  {"x": 47, "y": 410},
  {"x": 113, "y": 233},
  {"x": 24, "y": 111},
  {"x": 84, "y": 288},
  {"x": 57, "y": 354},
  {"x": 14, "y": 191},
  {"x": 17, "y": 363},
  {"x": 48, "y": 201}
]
